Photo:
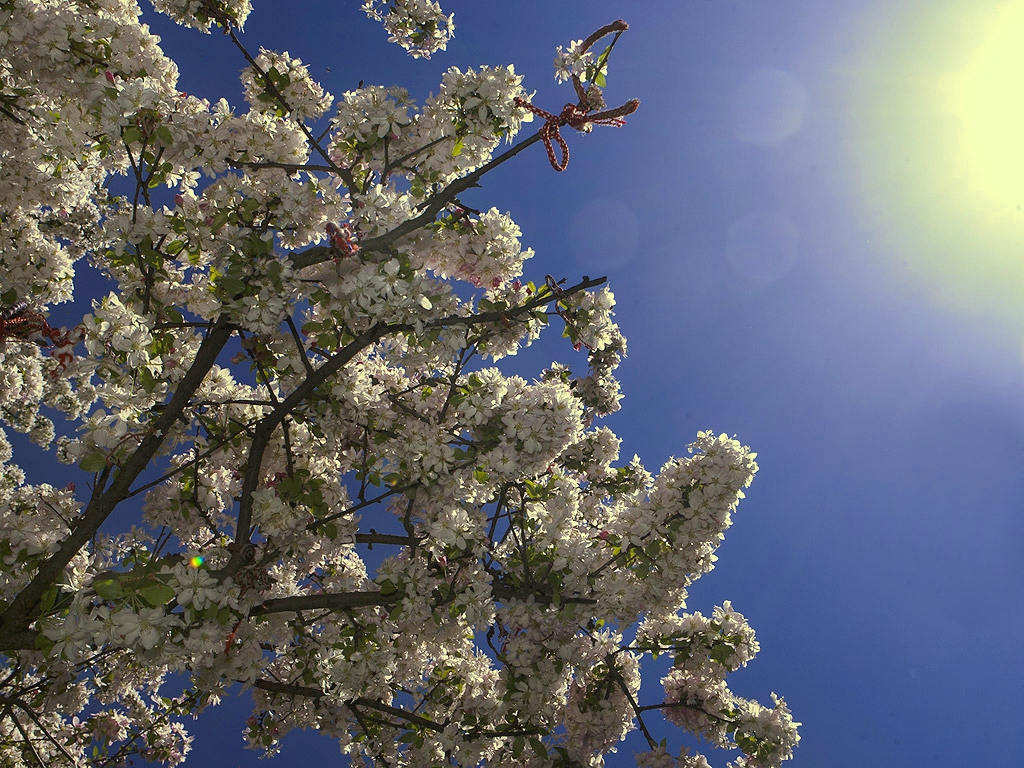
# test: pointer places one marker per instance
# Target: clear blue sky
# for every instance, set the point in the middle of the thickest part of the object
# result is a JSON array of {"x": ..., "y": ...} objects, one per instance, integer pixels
[{"x": 813, "y": 230}]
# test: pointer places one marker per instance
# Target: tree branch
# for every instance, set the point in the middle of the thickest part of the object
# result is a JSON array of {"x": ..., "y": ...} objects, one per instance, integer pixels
[
  {"x": 431, "y": 208},
  {"x": 16, "y": 619},
  {"x": 265, "y": 428},
  {"x": 386, "y": 538},
  {"x": 325, "y": 600},
  {"x": 290, "y": 689}
]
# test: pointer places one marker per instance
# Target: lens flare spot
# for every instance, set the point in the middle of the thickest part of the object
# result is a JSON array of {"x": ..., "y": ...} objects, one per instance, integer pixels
[
  {"x": 196, "y": 561},
  {"x": 762, "y": 246},
  {"x": 768, "y": 107}
]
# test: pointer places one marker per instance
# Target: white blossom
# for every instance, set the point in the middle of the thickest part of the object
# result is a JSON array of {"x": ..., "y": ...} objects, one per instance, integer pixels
[{"x": 282, "y": 370}]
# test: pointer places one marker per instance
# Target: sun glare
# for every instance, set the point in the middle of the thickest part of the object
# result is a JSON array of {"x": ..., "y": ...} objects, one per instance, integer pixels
[
  {"x": 992, "y": 110},
  {"x": 936, "y": 140}
]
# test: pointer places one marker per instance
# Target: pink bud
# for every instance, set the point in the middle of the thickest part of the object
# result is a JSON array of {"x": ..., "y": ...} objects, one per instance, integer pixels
[
  {"x": 109, "y": 75},
  {"x": 69, "y": 487},
  {"x": 516, "y": 285},
  {"x": 495, "y": 282},
  {"x": 179, "y": 200},
  {"x": 603, "y": 535}
]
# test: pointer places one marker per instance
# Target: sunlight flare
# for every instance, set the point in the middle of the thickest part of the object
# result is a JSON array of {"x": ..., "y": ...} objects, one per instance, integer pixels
[{"x": 936, "y": 148}]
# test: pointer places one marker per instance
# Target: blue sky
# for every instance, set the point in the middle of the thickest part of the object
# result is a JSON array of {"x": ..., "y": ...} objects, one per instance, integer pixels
[{"x": 813, "y": 230}]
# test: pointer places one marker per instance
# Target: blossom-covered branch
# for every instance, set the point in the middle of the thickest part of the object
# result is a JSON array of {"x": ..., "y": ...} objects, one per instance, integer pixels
[{"x": 297, "y": 355}]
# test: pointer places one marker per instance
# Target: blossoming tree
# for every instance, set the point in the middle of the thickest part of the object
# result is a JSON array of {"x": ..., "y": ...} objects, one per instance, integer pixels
[{"x": 300, "y": 342}]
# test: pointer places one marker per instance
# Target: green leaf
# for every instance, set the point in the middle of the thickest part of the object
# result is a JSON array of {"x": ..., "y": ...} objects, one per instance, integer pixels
[
  {"x": 219, "y": 221},
  {"x": 746, "y": 743},
  {"x": 157, "y": 594},
  {"x": 600, "y": 80},
  {"x": 164, "y": 134},
  {"x": 457, "y": 149},
  {"x": 518, "y": 747},
  {"x": 47, "y": 600},
  {"x": 147, "y": 379},
  {"x": 93, "y": 462},
  {"x": 108, "y": 589},
  {"x": 279, "y": 79},
  {"x": 44, "y": 644},
  {"x": 131, "y": 134},
  {"x": 232, "y": 286}
]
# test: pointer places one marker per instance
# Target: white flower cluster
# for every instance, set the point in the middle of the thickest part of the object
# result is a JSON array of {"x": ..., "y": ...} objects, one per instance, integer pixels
[
  {"x": 725, "y": 640},
  {"x": 659, "y": 757},
  {"x": 33, "y": 523},
  {"x": 284, "y": 80},
  {"x": 589, "y": 319},
  {"x": 115, "y": 331},
  {"x": 56, "y": 58},
  {"x": 203, "y": 14},
  {"x": 198, "y": 500},
  {"x": 697, "y": 696},
  {"x": 368, "y": 121},
  {"x": 571, "y": 60},
  {"x": 372, "y": 113},
  {"x": 22, "y": 387},
  {"x": 274, "y": 515},
  {"x": 42, "y": 267},
  {"x": 483, "y": 250},
  {"x": 594, "y": 720},
  {"x": 378, "y": 130},
  {"x": 419, "y": 26},
  {"x": 286, "y": 370},
  {"x": 480, "y": 100}
]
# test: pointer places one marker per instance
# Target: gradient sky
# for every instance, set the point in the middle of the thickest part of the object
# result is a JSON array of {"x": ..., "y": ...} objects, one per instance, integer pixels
[{"x": 813, "y": 227}]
